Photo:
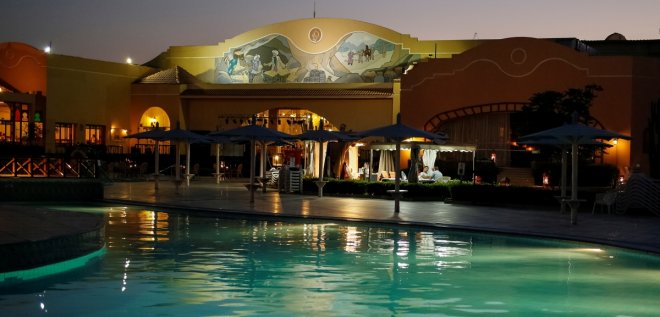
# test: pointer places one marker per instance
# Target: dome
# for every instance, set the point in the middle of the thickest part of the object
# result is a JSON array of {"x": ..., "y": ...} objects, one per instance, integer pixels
[{"x": 615, "y": 37}]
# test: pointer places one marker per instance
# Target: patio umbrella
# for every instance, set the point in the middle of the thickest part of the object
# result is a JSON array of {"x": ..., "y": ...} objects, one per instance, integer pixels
[
  {"x": 254, "y": 133},
  {"x": 573, "y": 134},
  {"x": 156, "y": 135},
  {"x": 564, "y": 161},
  {"x": 321, "y": 136},
  {"x": 399, "y": 132},
  {"x": 180, "y": 135},
  {"x": 217, "y": 139}
]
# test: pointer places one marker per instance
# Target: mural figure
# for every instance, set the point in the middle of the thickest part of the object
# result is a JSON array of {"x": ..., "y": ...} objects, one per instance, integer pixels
[
  {"x": 255, "y": 68},
  {"x": 278, "y": 70},
  {"x": 350, "y": 57}
]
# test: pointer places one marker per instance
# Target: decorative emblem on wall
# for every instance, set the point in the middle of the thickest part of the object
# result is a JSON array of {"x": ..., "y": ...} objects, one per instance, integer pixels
[{"x": 315, "y": 35}]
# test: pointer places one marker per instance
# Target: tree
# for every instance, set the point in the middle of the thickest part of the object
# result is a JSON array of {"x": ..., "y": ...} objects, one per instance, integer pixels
[{"x": 551, "y": 108}]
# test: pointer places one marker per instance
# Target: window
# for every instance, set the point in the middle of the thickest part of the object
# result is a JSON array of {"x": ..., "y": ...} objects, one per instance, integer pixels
[
  {"x": 95, "y": 134},
  {"x": 64, "y": 133}
]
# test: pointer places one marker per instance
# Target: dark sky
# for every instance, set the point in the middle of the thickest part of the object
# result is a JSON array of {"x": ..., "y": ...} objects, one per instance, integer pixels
[{"x": 115, "y": 29}]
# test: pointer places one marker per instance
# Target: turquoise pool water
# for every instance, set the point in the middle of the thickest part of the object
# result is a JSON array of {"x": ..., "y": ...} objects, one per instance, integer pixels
[{"x": 174, "y": 264}]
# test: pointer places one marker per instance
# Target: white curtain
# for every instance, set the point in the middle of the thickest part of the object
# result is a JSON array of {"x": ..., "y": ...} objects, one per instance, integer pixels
[
  {"x": 353, "y": 161},
  {"x": 311, "y": 159},
  {"x": 386, "y": 161},
  {"x": 428, "y": 158}
]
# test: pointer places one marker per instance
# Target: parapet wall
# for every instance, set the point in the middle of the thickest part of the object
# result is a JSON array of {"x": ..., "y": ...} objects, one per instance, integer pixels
[{"x": 31, "y": 189}]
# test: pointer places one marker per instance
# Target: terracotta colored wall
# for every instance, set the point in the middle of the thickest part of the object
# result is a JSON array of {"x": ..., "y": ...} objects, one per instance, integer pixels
[
  {"x": 23, "y": 67},
  {"x": 512, "y": 70}
]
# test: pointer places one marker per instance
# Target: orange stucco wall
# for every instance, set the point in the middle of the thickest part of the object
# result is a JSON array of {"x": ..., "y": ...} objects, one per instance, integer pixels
[
  {"x": 512, "y": 70},
  {"x": 23, "y": 67}
]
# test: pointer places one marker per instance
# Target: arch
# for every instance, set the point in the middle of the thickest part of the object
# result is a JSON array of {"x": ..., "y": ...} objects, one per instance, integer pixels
[
  {"x": 436, "y": 121},
  {"x": 434, "y": 124},
  {"x": 155, "y": 116}
]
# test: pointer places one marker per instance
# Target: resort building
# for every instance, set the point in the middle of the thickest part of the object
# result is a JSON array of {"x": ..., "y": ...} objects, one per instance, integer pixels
[{"x": 352, "y": 74}]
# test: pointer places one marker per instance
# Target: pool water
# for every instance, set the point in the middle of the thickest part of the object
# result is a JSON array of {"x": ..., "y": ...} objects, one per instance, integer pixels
[{"x": 177, "y": 264}]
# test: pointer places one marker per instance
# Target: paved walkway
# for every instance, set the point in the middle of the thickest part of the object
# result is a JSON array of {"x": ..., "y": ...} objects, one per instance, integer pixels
[{"x": 637, "y": 232}]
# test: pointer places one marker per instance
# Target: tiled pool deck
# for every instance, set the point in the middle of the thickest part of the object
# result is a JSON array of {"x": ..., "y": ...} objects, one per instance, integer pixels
[
  {"x": 632, "y": 231},
  {"x": 20, "y": 223}
]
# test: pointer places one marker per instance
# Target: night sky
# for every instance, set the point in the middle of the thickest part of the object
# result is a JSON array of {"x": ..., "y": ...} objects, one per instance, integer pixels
[{"x": 115, "y": 29}]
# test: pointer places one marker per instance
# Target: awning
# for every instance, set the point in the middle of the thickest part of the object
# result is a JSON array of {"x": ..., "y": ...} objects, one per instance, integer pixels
[{"x": 424, "y": 146}]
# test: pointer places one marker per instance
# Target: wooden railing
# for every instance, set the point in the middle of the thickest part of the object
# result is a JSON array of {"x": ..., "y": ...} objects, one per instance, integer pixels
[{"x": 48, "y": 167}]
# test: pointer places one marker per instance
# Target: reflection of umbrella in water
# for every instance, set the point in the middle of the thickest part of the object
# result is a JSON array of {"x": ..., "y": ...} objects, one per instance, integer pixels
[
  {"x": 573, "y": 134},
  {"x": 399, "y": 132},
  {"x": 321, "y": 136},
  {"x": 254, "y": 133}
]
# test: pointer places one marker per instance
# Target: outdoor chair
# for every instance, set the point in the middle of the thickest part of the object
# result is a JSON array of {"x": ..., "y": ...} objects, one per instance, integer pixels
[{"x": 607, "y": 198}]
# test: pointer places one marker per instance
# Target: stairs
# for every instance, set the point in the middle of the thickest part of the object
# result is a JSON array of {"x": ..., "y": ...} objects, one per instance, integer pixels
[{"x": 519, "y": 176}]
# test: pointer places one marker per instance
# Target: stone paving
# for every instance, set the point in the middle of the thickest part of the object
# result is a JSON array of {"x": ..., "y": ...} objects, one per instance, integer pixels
[{"x": 632, "y": 231}]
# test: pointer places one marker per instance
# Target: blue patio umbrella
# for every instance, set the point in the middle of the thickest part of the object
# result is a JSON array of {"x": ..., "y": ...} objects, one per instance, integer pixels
[
  {"x": 398, "y": 132},
  {"x": 573, "y": 134},
  {"x": 253, "y": 133},
  {"x": 218, "y": 139},
  {"x": 179, "y": 135},
  {"x": 156, "y": 135},
  {"x": 321, "y": 136},
  {"x": 564, "y": 161}
]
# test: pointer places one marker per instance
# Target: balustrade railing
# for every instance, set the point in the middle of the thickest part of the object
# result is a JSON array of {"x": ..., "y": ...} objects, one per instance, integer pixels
[{"x": 48, "y": 167}]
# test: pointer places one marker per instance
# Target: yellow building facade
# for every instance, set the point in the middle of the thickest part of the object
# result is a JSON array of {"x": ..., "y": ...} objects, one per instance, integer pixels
[{"x": 355, "y": 75}]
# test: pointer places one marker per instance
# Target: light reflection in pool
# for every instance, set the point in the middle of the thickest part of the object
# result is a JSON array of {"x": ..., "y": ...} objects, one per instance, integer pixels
[{"x": 177, "y": 264}]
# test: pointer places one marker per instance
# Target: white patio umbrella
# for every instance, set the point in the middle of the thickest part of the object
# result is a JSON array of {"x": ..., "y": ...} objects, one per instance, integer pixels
[
  {"x": 398, "y": 132},
  {"x": 573, "y": 134}
]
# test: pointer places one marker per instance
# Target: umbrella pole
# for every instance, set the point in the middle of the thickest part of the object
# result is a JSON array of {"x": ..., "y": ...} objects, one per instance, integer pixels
[
  {"x": 217, "y": 163},
  {"x": 156, "y": 164},
  {"x": 188, "y": 175},
  {"x": 177, "y": 167},
  {"x": 253, "y": 146},
  {"x": 574, "y": 203},
  {"x": 397, "y": 177},
  {"x": 263, "y": 166},
  {"x": 371, "y": 164},
  {"x": 564, "y": 171}
]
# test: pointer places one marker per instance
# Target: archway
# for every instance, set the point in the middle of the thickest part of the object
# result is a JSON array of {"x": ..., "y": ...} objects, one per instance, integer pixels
[{"x": 154, "y": 117}]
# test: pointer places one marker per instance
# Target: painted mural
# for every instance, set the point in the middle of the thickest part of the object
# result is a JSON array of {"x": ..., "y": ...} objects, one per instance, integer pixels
[{"x": 359, "y": 57}]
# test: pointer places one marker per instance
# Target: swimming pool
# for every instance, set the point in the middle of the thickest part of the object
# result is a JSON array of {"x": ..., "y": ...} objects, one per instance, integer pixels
[{"x": 176, "y": 264}]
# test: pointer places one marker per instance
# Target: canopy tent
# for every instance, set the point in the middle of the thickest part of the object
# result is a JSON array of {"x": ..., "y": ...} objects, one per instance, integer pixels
[
  {"x": 399, "y": 132},
  {"x": 426, "y": 147}
]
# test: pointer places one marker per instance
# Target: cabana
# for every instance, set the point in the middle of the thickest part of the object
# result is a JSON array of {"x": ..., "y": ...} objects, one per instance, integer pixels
[{"x": 427, "y": 147}]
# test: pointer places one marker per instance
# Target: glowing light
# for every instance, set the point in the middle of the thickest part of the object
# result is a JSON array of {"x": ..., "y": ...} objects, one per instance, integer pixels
[
  {"x": 47, "y": 49},
  {"x": 615, "y": 142},
  {"x": 129, "y": 60}
]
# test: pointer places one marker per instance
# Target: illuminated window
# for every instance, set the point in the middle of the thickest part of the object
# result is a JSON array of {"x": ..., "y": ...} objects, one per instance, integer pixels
[
  {"x": 64, "y": 133},
  {"x": 95, "y": 134}
]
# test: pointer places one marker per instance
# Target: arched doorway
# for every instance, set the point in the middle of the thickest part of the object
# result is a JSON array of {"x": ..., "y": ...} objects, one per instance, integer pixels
[{"x": 154, "y": 117}]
